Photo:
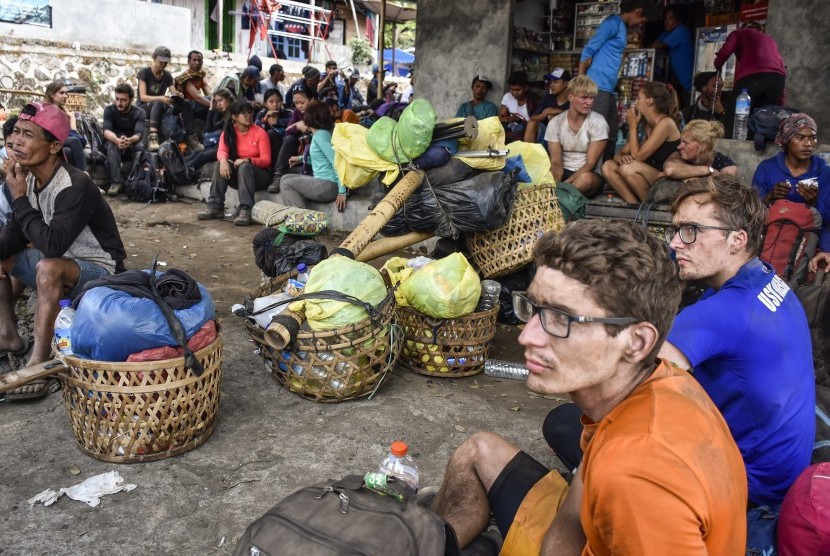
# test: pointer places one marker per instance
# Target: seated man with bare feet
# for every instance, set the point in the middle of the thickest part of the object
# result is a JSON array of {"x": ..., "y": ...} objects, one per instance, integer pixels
[
  {"x": 62, "y": 233},
  {"x": 660, "y": 472}
]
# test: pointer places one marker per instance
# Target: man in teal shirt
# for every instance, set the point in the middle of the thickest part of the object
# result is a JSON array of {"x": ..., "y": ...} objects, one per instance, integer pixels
[
  {"x": 601, "y": 60},
  {"x": 479, "y": 107}
]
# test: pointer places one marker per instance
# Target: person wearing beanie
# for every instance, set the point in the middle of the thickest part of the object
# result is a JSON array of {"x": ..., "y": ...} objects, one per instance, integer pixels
[
  {"x": 796, "y": 173},
  {"x": 307, "y": 83},
  {"x": 62, "y": 233}
]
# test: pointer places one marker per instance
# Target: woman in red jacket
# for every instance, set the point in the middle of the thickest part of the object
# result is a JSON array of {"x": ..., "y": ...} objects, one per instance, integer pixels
[{"x": 244, "y": 163}]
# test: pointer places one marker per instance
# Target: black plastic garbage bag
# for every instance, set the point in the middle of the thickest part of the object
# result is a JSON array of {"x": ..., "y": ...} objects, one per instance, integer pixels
[
  {"x": 518, "y": 281},
  {"x": 274, "y": 260}
]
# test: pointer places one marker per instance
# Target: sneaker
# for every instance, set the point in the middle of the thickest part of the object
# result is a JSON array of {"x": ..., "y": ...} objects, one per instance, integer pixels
[
  {"x": 210, "y": 214},
  {"x": 244, "y": 218},
  {"x": 193, "y": 143},
  {"x": 275, "y": 184},
  {"x": 114, "y": 189},
  {"x": 153, "y": 141}
]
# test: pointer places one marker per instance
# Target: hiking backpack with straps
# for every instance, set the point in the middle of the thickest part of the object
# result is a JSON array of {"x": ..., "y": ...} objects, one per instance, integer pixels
[
  {"x": 791, "y": 236},
  {"x": 176, "y": 169},
  {"x": 91, "y": 130},
  {"x": 144, "y": 183},
  {"x": 764, "y": 123}
]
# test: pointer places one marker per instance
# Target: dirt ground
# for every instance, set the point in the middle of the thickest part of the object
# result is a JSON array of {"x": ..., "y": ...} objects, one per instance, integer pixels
[{"x": 268, "y": 441}]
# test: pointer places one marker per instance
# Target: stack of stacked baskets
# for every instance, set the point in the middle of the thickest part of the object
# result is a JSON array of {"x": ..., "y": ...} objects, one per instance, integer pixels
[
  {"x": 332, "y": 365},
  {"x": 446, "y": 347},
  {"x": 510, "y": 247},
  {"x": 75, "y": 102},
  {"x": 133, "y": 412}
]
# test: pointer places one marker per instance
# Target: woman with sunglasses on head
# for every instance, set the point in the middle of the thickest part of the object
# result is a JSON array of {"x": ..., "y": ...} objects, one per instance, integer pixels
[
  {"x": 244, "y": 163},
  {"x": 57, "y": 94},
  {"x": 638, "y": 165}
]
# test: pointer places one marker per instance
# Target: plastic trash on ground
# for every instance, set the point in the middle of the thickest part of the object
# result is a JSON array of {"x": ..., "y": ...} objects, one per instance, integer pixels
[{"x": 89, "y": 491}]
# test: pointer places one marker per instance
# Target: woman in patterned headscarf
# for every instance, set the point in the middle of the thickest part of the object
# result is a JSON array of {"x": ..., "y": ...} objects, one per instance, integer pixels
[{"x": 796, "y": 173}]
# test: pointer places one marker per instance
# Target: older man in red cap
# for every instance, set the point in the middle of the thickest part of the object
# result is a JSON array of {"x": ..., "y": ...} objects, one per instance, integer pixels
[{"x": 61, "y": 235}]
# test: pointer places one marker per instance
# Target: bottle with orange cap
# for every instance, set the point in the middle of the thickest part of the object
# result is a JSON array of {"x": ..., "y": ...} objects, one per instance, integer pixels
[{"x": 400, "y": 465}]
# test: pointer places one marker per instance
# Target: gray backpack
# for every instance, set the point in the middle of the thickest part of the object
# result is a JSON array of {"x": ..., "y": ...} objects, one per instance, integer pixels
[{"x": 345, "y": 517}]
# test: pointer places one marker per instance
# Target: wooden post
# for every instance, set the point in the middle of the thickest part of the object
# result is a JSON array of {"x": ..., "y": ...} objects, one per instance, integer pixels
[{"x": 381, "y": 41}]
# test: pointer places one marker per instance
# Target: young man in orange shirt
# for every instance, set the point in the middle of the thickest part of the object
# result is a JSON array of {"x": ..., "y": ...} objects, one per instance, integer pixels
[{"x": 660, "y": 473}]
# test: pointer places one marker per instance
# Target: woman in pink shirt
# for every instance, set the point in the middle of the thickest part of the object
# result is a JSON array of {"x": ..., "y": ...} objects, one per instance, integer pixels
[
  {"x": 244, "y": 163},
  {"x": 760, "y": 69}
]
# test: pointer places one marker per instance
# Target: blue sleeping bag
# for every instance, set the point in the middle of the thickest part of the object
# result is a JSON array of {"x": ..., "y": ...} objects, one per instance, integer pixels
[{"x": 110, "y": 325}]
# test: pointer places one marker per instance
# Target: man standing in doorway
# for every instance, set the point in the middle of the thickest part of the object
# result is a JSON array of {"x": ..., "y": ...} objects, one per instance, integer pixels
[{"x": 601, "y": 60}]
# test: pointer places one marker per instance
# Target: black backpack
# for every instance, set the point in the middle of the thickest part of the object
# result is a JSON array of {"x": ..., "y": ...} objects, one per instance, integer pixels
[
  {"x": 176, "y": 169},
  {"x": 144, "y": 183},
  {"x": 345, "y": 517},
  {"x": 92, "y": 131},
  {"x": 764, "y": 123}
]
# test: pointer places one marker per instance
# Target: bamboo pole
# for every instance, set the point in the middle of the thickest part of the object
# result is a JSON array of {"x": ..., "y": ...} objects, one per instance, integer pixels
[
  {"x": 15, "y": 379},
  {"x": 381, "y": 247}
]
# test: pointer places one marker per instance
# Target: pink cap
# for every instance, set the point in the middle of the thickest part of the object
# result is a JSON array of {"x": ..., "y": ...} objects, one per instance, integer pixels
[{"x": 49, "y": 117}]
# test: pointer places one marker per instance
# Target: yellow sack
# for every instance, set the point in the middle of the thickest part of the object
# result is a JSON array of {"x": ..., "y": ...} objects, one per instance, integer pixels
[
  {"x": 398, "y": 272},
  {"x": 443, "y": 289},
  {"x": 354, "y": 160},
  {"x": 490, "y": 136},
  {"x": 536, "y": 161},
  {"x": 343, "y": 275}
]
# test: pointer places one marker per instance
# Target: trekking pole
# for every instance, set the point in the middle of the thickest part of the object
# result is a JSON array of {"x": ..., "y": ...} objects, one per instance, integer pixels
[{"x": 715, "y": 96}]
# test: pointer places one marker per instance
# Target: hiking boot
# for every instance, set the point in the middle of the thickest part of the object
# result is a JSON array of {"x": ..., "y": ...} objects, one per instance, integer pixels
[
  {"x": 153, "y": 141},
  {"x": 193, "y": 143},
  {"x": 210, "y": 214},
  {"x": 231, "y": 215},
  {"x": 114, "y": 189},
  {"x": 244, "y": 218},
  {"x": 275, "y": 184}
]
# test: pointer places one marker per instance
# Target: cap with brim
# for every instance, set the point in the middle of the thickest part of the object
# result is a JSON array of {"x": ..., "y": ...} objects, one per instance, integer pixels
[
  {"x": 558, "y": 73},
  {"x": 484, "y": 79},
  {"x": 162, "y": 54},
  {"x": 49, "y": 117}
]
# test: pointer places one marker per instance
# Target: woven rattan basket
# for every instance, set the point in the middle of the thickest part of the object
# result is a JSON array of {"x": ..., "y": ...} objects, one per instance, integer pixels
[
  {"x": 510, "y": 247},
  {"x": 332, "y": 365},
  {"x": 446, "y": 347},
  {"x": 133, "y": 412},
  {"x": 75, "y": 102}
]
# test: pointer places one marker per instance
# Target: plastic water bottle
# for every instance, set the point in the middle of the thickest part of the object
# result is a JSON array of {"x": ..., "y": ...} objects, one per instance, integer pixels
[
  {"x": 741, "y": 116},
  {"x": 302, "y": 273},
  {"x": 490, "y": 290},
  {"x": 63, "y": 324},
  {"x": 399, "y": 464},
  {"x": 505, "y": 369}
]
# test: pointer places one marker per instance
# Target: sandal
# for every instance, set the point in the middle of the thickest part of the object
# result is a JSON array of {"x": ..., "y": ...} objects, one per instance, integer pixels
[{"x": 39, "y": 388}]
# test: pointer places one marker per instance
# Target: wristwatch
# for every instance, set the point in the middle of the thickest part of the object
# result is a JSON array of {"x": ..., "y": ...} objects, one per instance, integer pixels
[{"x": 711, "y": 170}]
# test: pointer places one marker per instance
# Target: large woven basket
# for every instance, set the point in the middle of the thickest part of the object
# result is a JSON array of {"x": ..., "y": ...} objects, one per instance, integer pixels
[
  {"x": 332, "y": 365},
  {"x": 446, "y": 347},
  {"x": 510, "y": 247},
  {"x": 133, "y": 412},
  {"x": 75, "y": 102}
]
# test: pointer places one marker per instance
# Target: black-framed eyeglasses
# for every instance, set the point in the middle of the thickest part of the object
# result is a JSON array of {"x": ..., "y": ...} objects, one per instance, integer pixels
[
  {"x": 555, "y": 321},
  {"x": 688, "y": 232}
]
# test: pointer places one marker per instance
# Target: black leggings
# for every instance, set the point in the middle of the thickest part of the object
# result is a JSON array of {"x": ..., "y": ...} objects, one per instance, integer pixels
[{"x": 73, "y": 149}]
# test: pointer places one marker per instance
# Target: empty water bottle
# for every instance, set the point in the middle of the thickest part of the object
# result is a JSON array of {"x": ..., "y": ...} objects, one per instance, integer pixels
[
  {"x": 399, "y": 464},
  {"x": 63, "y": 324},
  {"x": 490, "y": 290},
  {"x": 505, "y": 369},
  {"x": 742, "y": 104},
  {"x": 302, "y": 273}
]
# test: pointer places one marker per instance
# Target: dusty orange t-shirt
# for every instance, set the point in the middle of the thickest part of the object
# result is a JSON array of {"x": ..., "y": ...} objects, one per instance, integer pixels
[{"x": 662, "y": 474}]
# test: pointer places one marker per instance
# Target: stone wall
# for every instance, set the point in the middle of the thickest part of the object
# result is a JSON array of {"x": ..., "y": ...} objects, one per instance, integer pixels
[{"x": 32, "y": 64}]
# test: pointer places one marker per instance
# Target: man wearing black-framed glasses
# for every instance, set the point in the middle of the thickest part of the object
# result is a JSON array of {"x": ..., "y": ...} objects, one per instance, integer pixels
[
  {"x": 661, "y": 473},
  {"x": 747, "y": 338}
]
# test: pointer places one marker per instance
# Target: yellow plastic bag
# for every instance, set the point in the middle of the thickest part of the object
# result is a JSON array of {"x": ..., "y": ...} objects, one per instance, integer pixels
[
  {"x": 354, "y": 161},
  {"x": 536, "y": 160},
  {"x": 343, "y": 275},
  {"x": 398, "y": 273},
  {"x": 443, "y": 289},
  {"x": 490, "y": 136}
]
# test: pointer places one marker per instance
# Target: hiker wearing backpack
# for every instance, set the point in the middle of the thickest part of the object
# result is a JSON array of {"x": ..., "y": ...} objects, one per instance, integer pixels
[
  {"x": 61, "y": 235},
  {"x": 123, "y": 132},
  {"x": 747, "y": 338},
  {"x": 796, "y": 174}
]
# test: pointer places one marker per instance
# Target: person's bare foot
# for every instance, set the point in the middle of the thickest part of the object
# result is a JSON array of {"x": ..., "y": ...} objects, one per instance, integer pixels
[{"x": 12, "y": 344}]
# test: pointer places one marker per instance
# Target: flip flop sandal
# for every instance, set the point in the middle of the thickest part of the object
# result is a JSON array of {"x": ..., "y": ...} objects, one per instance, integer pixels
[{"x": 39, "y": 388}]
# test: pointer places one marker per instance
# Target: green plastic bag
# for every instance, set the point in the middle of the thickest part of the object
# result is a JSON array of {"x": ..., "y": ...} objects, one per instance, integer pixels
[
  {"x": 414, "y": 130},
  {"x": 382, "y": 139},
  {"x": 443, "y": 289},
  {"x": 572, "y": 202},
  {"x": 343, "y": 275}
]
